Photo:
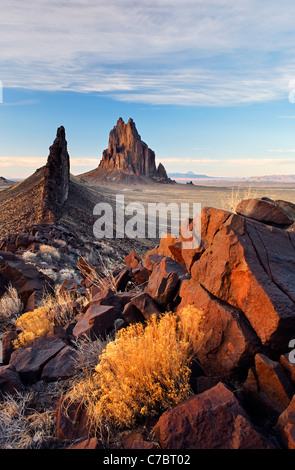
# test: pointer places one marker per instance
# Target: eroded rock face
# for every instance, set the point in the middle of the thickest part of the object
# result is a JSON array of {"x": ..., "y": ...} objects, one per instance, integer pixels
[
  {"x": 129, "y": 154},
  {"x": 57, "y": 177}
]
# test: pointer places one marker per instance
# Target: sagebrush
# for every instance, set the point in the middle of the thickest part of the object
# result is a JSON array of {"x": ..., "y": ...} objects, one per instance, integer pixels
[{"x": 144, "y": 371}]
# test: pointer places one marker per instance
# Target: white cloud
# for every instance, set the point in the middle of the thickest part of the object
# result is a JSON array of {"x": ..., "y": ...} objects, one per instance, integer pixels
[
  {"x": 193, "y": 52},
  {"x": 261, "y": 161},
  {"x": 31, "y": 162}
]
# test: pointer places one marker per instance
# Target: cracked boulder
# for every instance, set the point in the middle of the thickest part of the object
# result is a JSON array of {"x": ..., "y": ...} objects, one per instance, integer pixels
[
  {"x": 165, "y": 280},
  {"x": 212, "y": 420},
  {"x": 227, "y": 341},
  {"x": 251, "y": 266},
  {"x": 264, "y": 210},
  {"x": 26, "y": 279},
  {"x": 267, "y": 390},
  {"x": 29, "y": 361}
]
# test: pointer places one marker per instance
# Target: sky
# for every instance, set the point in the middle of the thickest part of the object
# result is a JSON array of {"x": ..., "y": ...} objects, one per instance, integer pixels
[{"x": 210, "y": 84}]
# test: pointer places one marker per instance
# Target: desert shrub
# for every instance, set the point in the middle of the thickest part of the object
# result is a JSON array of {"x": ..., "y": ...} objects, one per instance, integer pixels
[
  {"x": 61, "y": 275},
  {"x": 49, "y": 253},
  {"x": 56, "y": 309},
  {"x": 46, "y": 253},
  {"x": 60, "y": 305},
  {"x": 192, "y": 323},
  {"x": 29, "y": 256},
  {"x": 237, "y": 194},
  {"x": 88, "y": 352},
  {"x": 104, "y": 281},
  {"x": 22, "y": 427},
  {"x": 32, "y": 325},
  {"x": 10, "y": 307},
  {"x": 144, "y": 371}
]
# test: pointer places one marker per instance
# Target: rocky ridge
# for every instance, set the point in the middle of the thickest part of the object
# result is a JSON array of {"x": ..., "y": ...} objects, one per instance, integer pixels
[{"x": 57, "y": 178}]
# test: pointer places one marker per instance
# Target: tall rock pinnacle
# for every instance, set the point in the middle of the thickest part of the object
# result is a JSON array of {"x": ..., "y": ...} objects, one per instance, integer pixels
[
  {"x": 127, "y": 153},
  {"x": 57, "y": 176}
]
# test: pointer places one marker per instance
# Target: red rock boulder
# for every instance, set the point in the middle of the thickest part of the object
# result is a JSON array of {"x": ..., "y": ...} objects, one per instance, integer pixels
[
  {"x": 226, "y": 343},
  {"x": 252, "y": 267},
  {"x": 212, "y": 420},
  {"x": 268, "y": 388},
  {"x": 96, "y": 322},
  {"x": 265, "y": 211},
  {"x": 165, "y": 281}
]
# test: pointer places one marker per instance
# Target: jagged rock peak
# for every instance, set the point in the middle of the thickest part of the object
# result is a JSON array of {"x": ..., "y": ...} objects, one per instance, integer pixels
[
  {"x": 57, "y": 175},
  {"x": 127, "y": 153}
]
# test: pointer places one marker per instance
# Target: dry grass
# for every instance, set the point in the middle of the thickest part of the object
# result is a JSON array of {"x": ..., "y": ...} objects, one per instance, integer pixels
[
  {"x": 49, "y": 253},
  {"x": 143, "y": 372},
  {"x": 104, "y": 281},
  {"x": 60, "y": 305},
  {"x": 88, "y": 352},
  {"x": 46, "y": 253},
  {"x": 237, "y": 194},
  {"x": 191, "y": 322},
  {"x": 57, "y": 309},
  {"x": 22, "y": 427},
  {"x": 10, "y": 308}
]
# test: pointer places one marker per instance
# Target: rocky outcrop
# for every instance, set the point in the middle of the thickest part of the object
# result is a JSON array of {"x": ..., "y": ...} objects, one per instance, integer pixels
[
  {"x": 265, "y": 210},
  {"x": 57, "y": 177},
  {"x": 128, "y": 158},
  {"x": 42, "y": 196}
]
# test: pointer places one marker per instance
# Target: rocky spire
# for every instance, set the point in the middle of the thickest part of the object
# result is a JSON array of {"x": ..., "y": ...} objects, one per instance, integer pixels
[
  {"x": 128, "y": 153},
  {"x": 57, "y": 176}
]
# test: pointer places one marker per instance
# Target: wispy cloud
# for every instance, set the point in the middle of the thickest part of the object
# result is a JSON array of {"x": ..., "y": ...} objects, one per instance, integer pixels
[{"x": 218, "y": 52}]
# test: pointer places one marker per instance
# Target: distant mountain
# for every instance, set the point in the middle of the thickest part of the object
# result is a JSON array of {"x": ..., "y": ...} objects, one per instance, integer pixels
[
  {"x": 189, "y": 174},
  {"x": 272, "y": 178}
]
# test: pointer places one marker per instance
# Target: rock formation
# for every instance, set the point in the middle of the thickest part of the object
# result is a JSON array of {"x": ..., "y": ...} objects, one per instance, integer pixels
[
  {"x": 57, "y": 176},
  {"x": 128, "y": 158},
  {"x": 40, "y": 197}
]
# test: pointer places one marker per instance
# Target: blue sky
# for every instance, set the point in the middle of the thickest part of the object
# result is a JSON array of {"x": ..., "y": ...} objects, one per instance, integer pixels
[{"x": 206, "y": 82}]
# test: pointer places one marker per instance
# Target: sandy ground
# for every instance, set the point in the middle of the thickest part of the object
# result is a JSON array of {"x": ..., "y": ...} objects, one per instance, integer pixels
[{"x": 224, "y": 196}]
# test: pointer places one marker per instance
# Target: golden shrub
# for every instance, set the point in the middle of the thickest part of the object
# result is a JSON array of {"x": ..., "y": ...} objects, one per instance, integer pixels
[
  {"x": 143, "y": 372},
  {"x": 192, "y": 323},
  {"x": 32, "y": 324}
]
